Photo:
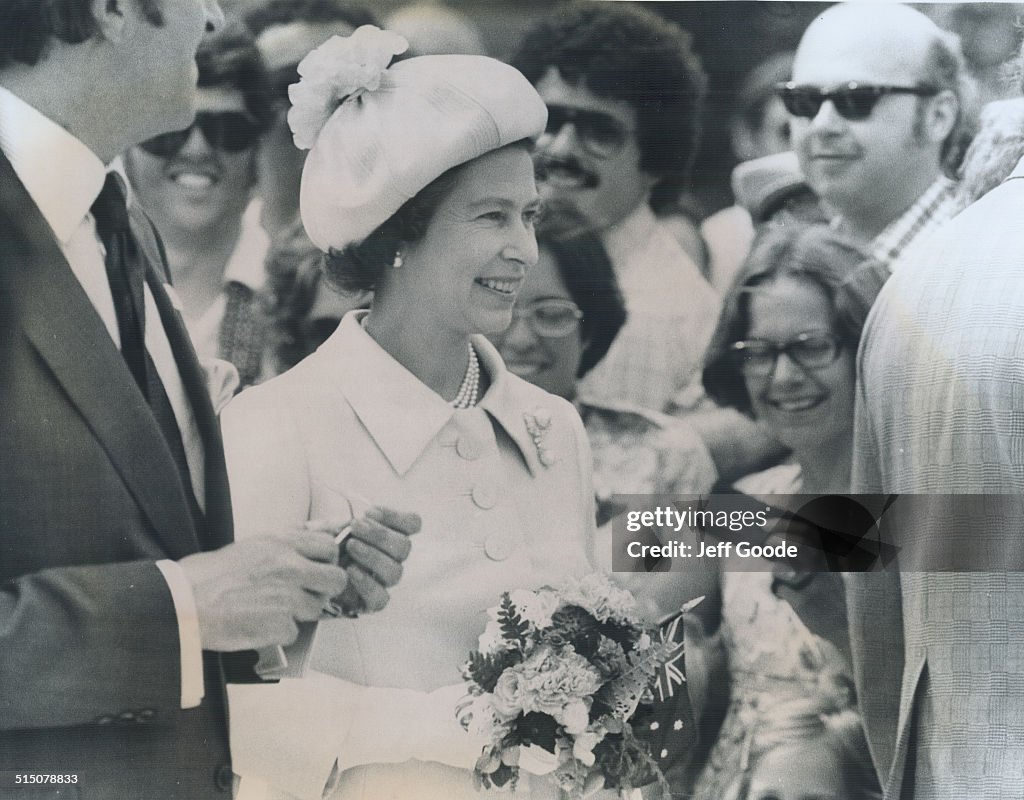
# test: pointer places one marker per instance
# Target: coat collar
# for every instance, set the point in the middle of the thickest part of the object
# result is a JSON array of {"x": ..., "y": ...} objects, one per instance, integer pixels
[{"x": 401, "y": 414}]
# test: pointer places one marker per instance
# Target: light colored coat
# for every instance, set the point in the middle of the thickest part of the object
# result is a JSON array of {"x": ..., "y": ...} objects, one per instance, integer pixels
[
  {"x": 351, "y": 422},
  {"x": 939, "y": 655}
]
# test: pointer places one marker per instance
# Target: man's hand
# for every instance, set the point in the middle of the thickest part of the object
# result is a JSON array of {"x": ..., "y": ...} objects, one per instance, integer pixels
[
  {"x": 372, "y": 555},
  {"x": 251, "y": 594}
]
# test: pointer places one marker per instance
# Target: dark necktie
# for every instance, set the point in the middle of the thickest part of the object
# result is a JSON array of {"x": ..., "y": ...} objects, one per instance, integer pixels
[{"x": 126, "y": 273}]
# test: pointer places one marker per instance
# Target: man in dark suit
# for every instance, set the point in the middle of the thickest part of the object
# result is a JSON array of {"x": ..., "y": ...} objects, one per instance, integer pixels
[{"x": 119, "y": 584}]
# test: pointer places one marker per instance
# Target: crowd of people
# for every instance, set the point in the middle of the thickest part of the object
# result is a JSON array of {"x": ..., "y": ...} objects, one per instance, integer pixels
[{"x": 319, "y": 331}]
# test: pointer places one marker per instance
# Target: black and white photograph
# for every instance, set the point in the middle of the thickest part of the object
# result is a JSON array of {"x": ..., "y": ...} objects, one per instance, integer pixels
[{"x": 544, "y": 399}]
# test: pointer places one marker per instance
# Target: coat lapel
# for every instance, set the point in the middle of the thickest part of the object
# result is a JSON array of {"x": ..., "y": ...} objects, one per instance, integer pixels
[
  {"x": 58, "y": 319},
  {"x": 874, "y": 605},
  {"x": 218, "y": 503}
]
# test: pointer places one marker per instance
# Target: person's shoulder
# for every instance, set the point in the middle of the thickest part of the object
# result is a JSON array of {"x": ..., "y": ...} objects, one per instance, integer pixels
[
  {"x": 291, "y": 389},
  {"x": 994, "y": 219},
  {"x": 985, "y": 238}
]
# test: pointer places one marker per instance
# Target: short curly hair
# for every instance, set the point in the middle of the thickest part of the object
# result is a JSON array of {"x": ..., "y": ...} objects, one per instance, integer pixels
[
  {"x": 622, "y": 52},
  {"x": 358, "y": 267},
  {"x": 809, "y": 251}
]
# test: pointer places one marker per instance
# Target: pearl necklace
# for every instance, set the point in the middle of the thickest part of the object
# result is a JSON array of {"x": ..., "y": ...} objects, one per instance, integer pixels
[{"x": 470, "y": 388}]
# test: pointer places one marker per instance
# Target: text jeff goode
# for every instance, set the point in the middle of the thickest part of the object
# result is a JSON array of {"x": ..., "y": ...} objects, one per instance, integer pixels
[{"x": 677, "y": 549}]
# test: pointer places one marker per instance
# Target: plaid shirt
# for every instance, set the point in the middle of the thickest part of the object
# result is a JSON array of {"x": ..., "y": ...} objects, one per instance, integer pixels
[{"x": 916, "y": 224}]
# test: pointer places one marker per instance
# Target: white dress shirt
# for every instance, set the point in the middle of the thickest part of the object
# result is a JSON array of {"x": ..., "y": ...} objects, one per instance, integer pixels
[{"x": 43, "y": 155}]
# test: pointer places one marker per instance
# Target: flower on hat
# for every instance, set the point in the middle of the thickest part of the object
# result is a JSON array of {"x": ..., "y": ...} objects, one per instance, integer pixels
[{"x": 343, "y": 67}]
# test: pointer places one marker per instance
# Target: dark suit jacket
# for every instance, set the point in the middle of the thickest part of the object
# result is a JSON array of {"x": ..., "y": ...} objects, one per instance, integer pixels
[{"x": 89, "y": 500}]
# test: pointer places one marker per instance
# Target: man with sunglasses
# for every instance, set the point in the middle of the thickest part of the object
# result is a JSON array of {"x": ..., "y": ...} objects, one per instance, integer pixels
[
  {"x": 196, "y": 184},
  {"x": 121, "y": 591},
  {"x": 624, "y": 91},
  {"x": 877, "y": 105}
]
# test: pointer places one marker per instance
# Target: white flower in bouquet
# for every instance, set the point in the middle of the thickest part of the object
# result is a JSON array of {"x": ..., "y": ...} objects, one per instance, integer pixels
[
  {"x": 492, "y": 639},
  {"x": 554, "y": 679},
  {"x": 584, "y": 744},
  {"x": 537, "y": 761},
  {"x": 574, "y": 716},
  {"x": 536, "y": 607},
  {"x": 603, "y": 599}
]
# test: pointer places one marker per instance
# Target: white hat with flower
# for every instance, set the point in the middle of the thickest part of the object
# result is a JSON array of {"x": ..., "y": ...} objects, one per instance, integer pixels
[{"x": 377, "y": 134}]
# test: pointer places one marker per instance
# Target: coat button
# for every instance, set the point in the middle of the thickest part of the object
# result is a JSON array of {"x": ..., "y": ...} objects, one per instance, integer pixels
[
  {"x": 484, "y": 497},
  {"x": 468, "y": 448},
  {"x": 499, "y": 545},
  {"x": 223, "y": 777},
  {"x": 106, "y": 719},
  {"x": 126, "y": 716},
  {"x": 146, "y": 715}
]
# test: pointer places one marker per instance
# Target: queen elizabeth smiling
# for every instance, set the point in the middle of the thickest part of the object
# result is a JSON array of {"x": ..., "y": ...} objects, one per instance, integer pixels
[{"x": 420, "y": 187}]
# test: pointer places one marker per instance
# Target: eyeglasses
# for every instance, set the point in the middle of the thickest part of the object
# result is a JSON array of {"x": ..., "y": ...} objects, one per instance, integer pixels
[
  {"x": 229, "y": 131},
  {"x": 550, "y": 319},
  {"x": 600, "y": 134},
  {"x": 810, "y": 350},
  {"x": 853, "y": 100}
]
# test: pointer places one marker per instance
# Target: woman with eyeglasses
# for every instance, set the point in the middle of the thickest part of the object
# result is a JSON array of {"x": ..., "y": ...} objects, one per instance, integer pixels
[
  {"x": 784, "y": 353},
  {"x": 196, "y": 184}
]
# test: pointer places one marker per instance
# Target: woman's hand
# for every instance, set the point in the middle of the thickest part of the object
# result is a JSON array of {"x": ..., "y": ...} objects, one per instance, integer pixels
[{"x": 372, "y": 554}]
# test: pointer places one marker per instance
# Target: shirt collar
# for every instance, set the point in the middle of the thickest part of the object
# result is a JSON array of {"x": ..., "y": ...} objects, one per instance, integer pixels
[
  {"x": 888, "y": 244},
  {"x": 401, "y": 414},
  {"x": 246, "y": 263},
  {"x": 630, "y": 235},
  {"x": 61, "y": 174}
]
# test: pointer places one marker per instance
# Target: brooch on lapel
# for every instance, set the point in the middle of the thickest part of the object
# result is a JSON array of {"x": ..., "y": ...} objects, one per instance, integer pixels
[{"x": 538, "y": 425}]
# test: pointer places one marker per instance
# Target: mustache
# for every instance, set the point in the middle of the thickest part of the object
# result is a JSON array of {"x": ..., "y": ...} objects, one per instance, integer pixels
[{"x": 544, "y": 164}]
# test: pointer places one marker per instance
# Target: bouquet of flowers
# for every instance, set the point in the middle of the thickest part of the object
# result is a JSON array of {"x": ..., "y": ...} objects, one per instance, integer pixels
[{"x": 558, "y": 675}]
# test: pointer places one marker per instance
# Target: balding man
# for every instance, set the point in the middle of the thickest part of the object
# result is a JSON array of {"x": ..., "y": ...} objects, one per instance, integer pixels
[{"x": 877, "y": 104}]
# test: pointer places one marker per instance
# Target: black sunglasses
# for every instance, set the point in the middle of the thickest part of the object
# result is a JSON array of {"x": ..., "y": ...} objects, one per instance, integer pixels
[
  {"x": 229, "y": 131},
  {"x": 600, "y": 134},
  {"x": 853, "y": 100}
]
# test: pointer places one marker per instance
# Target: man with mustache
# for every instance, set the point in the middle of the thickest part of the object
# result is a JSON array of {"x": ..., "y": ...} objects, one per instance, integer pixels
[
  {"x": 877, "y": 105},
  {"x": 624, "y": 91}
]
